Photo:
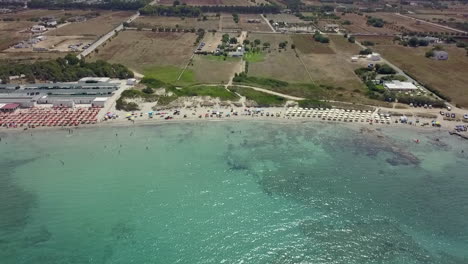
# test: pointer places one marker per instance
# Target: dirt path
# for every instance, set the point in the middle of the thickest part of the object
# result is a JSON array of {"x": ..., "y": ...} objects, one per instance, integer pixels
[
  {"x": 273, "y": 93},
  {"x": 268, "y": 23},
  {"x": 432, "y": 24}
]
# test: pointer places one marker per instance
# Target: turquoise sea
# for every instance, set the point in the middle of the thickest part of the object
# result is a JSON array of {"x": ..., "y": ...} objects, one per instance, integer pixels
[{"x": 234, "y": 192}]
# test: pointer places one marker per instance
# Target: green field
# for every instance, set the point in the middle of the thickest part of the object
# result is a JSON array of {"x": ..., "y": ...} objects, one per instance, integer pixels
[
  {"x": 254, "y": 56},
  {"x": 169, "y": 74}
]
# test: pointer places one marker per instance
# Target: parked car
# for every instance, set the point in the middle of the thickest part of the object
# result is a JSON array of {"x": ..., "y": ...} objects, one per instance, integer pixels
[
  {"x": 442, "y": 113},
  {"x": 447, "y": 114},
  {"x": 465, "y": 116},
  {"x": 453, "y": 115}
]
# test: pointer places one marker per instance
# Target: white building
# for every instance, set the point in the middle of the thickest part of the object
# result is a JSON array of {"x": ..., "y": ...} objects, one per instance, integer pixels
[
  {"x": 38, "y": 29},
  {"x": 440, "y": 55},
  {"x": 99, "y": 102},
  {"x": 373, "y": 57},
  {"x": 400, "y": 86}
]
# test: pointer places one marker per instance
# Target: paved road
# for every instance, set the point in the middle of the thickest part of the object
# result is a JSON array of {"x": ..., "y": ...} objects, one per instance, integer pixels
[{"x": 104, "y": 38}]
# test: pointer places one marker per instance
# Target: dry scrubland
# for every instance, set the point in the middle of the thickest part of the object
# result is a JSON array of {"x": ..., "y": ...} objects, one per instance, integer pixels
[
  {"x": 37, "y": 13},
  {"x": 211, "y": 69},
  {"x": 320, "y": 64},
  {"x": 327, "y": 64},
  {"x": 331, "y": 65},
  {"x": 229, "y": 24},
  {"x": 10, "y": 32},
  {"x": 450, "y": 76},
  {"x": 359, "y": 25},
  {"x": 141, "y": 51},
  {"x": 211, "y": 23},
  {"x": 287, "y": 18},
  {"x": 94, "y": 27},
  {"x": 210, "y": 2},
  {"x": 282, "y": 65},
  {"x": 408, "y": 23}
]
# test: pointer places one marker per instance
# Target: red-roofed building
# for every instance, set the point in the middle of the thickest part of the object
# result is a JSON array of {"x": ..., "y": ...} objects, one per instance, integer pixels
[{"x": 9, "y": 107}]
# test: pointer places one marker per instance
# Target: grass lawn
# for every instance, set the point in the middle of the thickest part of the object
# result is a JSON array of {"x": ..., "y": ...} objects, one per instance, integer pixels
[
  {"x": 212, "y": 91},
  {"x": 262, "y": 99},
  {"x": 169, "y": 74},
  {"x": 220, "y": 58},
  {"x": 254, "y": 56}
]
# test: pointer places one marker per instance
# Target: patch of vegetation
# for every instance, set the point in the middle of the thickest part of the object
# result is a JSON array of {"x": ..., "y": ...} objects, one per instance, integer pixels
[
  {"x": 375, "y": 22},
  {"x": 415, "y": 42},
  {"x": 320, "y": 38},
  {"x": 396, "y": 77},
  {"x": 203, "y": 90},
  {"x": 265, "y": 82},
  {"x": 367, "y": 43},
  {"x": 365, "y": 51},
  {"x": 235, "y": 17},
  {"x": 67, "y": 69},
  {"x": 262, "y": 99},
  {"x": 309, "y": 103},
  {"x": 254, "y": 56},
  {"x": 169, "y": 74},
  {"x": 384, "y": 69}
]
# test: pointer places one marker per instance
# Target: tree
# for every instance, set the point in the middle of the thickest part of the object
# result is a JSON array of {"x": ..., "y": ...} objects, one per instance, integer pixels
[
  {"x": 176, "y": 3},
  {"x": 293, "y": 46},
  {"x": 413, "y": 42},
  {"x": 429, "y": 54},
  {"x": 257, "y": 42},
  {"x": 246, "y": 42},
  {"x": 365, "y": 51},
  {"x": 233, "y": 40}
]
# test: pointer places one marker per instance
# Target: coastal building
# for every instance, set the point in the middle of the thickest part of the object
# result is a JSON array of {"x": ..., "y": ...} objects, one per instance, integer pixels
[
  {"x": 6, "y": 108},
  {"x": 398, "y": 86},
  {"x": 85, "y": 91},
  {"x": 99, "y": 102}
]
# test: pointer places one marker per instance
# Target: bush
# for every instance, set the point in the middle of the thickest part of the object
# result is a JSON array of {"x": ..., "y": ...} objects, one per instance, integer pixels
[
  {"x": 375, "y": 22},
  {"x": 310, "y": 103},
  {"x": 367, "y": 43},
  {"x": 365, "y": 52},
  {"x": 384, "y": 69},
  {"x": 429, "y": 54},
  {"x": 352, "y": 39}
]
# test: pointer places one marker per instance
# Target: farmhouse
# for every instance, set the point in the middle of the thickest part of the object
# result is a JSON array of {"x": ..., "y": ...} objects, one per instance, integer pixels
[
  {"x": 38, "y": 29},
  {"x": 400, "y": 86},
  {"x": 331, "y": 27},
  {"x": 440, "y": 55}
]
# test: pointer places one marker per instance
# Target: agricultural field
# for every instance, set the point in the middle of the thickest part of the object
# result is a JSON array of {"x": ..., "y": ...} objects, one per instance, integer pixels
[
  {"x": 212, "y": 22},
  {"x": 448, "y": 76},
  {"x": 286, "y": 18},
  {"x": 378, "y": 40},
  {"x": 95, "y": 27},
  {"x": 161, "y": 55},
  {"x": 396, "y": 21},
  {"x": 29, "y": 56},
  {"x": 38, "y": 13},
  {"x": 214, "y": 69},
  {"x": 228, "y": 23},
  {"x": 359, "y": 25},
  {"x": 282, "y": 65},
  {"x": 330, "y": 65},
  {"x": 210, "y": 2},
  {"x": 12, "y": 32}
]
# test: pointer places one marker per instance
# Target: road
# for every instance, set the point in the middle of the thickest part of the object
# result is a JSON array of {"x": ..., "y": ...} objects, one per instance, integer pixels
[
  {"x": 107, "y": 36},
  {"x": 432, "y": 24},
  {"x": 268, "y": 23}
]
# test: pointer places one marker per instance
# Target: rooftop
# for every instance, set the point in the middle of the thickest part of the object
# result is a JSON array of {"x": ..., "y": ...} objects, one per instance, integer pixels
[{"x": 397, "y": 85}]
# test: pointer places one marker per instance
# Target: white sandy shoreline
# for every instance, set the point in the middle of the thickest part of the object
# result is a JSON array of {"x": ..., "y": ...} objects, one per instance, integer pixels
[{"x": 119, "y": 123}]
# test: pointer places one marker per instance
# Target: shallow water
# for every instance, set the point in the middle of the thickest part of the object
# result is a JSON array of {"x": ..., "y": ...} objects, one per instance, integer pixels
[{"x": 221, "y": 192}]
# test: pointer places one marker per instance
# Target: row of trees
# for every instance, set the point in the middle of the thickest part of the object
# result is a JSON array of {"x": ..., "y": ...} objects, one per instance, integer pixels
[
  {"x": 107, "y": 4},
  {"x": 66, "y": 69},
  {"x": 196, "y": 11}
]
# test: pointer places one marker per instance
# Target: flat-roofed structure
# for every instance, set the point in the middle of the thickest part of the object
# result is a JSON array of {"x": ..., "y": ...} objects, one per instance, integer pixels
[{"x": 400, "y": 86}]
